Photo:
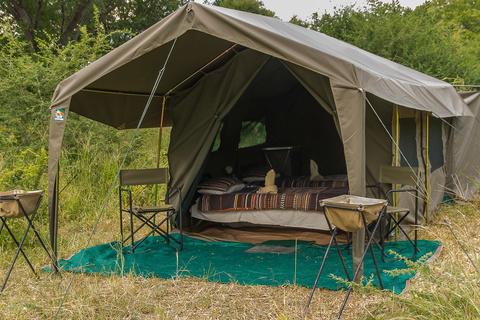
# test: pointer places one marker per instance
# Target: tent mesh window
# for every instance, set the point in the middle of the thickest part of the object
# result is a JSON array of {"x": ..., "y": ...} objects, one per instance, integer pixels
[
  {"x": 253, "y": 134},
  {"x": 435, "y": 148}
]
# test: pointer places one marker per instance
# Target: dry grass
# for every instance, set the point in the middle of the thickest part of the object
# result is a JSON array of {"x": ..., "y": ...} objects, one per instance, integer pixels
[{"x": 98, "y": 297}]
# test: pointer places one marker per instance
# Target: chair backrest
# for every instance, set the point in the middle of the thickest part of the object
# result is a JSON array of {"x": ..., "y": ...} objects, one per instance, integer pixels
[
  {"x": 398, "y": 175},
  {"x": 134, "y": 177}
]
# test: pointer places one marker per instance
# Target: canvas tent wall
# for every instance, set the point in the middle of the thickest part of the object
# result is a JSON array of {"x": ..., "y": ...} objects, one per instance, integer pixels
[
  {"x": 419, "y": 140},
  {"x": 463, "y": 159},
  {"x": 230, "y": 48}
]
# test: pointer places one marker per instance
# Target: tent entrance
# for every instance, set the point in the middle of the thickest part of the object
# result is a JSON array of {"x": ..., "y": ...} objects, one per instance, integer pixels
[{"x": 277, "y": 111}]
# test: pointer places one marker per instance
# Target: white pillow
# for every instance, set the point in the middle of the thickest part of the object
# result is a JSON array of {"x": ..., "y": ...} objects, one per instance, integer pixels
[{"x": 220, "y": 186}]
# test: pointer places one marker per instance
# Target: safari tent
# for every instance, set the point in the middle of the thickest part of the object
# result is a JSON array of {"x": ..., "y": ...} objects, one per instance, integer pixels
[{"x": 212, "y": 67}]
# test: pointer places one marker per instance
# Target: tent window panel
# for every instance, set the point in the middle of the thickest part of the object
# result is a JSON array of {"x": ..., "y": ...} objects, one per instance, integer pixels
[
  {"x": 408, "y": 142},
  {"x": 253, "y": 133},
  {"x": 218, "y": 139},
  {"x": 435, "y": 141}
]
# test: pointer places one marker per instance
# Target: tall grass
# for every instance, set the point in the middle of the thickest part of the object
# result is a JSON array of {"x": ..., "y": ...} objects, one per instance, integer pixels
[
  {"x": 449, "y": 287},
  {"x": 446, "y": 288}
]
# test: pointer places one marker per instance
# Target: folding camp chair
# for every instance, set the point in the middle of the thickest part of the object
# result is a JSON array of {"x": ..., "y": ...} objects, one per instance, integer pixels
[
  {"x": 148, "y": 214},
  {"x": 17, "y": 204},
  {"x": 351, "y": 213},
  {"x": 396, "y": 215}
]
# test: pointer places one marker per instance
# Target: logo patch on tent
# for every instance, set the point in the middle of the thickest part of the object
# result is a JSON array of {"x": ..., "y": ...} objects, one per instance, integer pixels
[{"x": 60, "y": 114}]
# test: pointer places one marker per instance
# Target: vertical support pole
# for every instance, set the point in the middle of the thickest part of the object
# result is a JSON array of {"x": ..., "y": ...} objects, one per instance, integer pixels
[
  {"x": 397, "y": 163},
  {"x": 427, "y": 169},
  {"x": 397, "y": 137},
  {"x": 54, "y": 220}
]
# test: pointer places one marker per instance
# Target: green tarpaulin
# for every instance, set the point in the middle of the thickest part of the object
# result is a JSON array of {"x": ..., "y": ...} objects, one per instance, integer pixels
[{"x": 226, "y": 262}]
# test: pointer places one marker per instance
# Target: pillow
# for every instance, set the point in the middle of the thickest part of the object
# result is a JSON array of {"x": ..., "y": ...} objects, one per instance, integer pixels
[
  {"x": 258, "y": 173},
  {"x": 220, "y": 186},
  {"x": 270, "y": 186},
  {"x": 314, "y": 175}
]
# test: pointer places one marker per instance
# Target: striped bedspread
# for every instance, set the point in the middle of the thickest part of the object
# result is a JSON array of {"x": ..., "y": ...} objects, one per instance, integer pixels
[
  {"x": 305, "y": 199},
  {"x": 305, "y": 182}
]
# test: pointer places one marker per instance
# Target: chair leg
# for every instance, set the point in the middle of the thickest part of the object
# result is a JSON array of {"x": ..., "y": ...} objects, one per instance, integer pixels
[
  {"x": 396, "y": 223},
  {"x": 166, "y": 235},
  {"x": 145, "y": 221},
  {"x": 19, "y": 250},
  {"x": 30, "y": 221},
  {"x": 121, "y": 225},
  {"x": 18, "y": 246},
  {"x": 320, "y": 271},
  {"x": 334, "y": 240},
  {"x": 368, "y": 247},
  {"x": 131, "y": 230}
]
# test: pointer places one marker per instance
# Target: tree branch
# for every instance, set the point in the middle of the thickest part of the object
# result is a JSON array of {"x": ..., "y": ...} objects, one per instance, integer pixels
[
  {"x": 75, "y": 21},
  {"x": 109, "y": 9},
  {"x": 20, "y": 14},
  {"x": 37, "y": 13}
]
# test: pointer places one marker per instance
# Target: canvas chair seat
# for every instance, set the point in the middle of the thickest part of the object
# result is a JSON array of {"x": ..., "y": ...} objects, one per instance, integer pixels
[{"x": 393, "y": 210}]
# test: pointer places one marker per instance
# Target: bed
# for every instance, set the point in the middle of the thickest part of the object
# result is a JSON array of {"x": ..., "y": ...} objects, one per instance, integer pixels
[{"x": 296, "y": 205}]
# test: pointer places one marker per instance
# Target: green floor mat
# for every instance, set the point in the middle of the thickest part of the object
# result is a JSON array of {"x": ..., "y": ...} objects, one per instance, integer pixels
[
  {"x": 286, "y": 243},
  {"x": 226, "y": 262}
]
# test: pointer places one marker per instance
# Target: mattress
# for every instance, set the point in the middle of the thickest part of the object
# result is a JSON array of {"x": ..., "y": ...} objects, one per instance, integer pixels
[{"x": 268, "y": 218}]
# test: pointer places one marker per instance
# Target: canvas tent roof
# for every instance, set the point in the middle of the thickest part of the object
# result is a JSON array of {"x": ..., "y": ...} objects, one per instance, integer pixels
[{"x": 230, "y": 47}]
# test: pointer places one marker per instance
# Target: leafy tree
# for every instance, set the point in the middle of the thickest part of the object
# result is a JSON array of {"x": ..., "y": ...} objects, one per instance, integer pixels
[
  {"x": 430, "y": 39},
  {"x": 462, "y": 14},
  {"x": 296, "y": 20},
  {"x": 27, "y": 83},
  {"x": 61, "y": 20},
  {"x": 253, "y": 6},
  {"x": 137, "y": 16}
]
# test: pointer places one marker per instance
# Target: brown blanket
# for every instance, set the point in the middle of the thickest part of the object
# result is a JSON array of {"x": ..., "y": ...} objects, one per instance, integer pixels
[{"x": 305, "y": 199}]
